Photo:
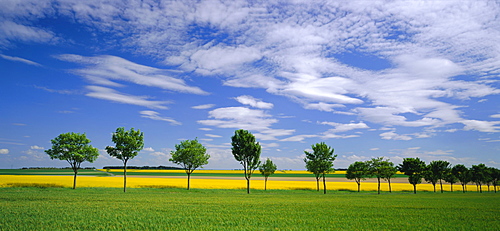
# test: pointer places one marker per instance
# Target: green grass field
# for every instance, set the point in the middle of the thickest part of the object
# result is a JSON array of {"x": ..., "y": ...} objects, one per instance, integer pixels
[{"x": 179, "y": 209}]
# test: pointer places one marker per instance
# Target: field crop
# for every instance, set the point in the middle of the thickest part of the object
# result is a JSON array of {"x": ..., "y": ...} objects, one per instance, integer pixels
[
  {"x": 179, "y": 209},
  {"x": 181, "y": 182}
]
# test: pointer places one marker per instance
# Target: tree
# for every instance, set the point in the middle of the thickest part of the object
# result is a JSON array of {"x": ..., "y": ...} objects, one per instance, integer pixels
[
  {"x": 74, "y": 148},
  {"x": 387, "y": 171},
  {"x": 463, "y": 175},
  {"x": 436, "y": 171},
  {"x": 320, "y": 162},
  {"x": 478, "y": 175},
  {"x": 450, "y": 178},
  {"x": 190, "y": 155},
  {"x": 488, "y": 178},
  {"x": 357, "y": 171},
  {"x": 246, "y": 151},
  {"x": 382, "y": 169},
  {"x": 413, "y": 168},
  {"x": 127, "y": 146},
  {"x": 267, "y": 169},
  {"x": 495, "y": 175}
]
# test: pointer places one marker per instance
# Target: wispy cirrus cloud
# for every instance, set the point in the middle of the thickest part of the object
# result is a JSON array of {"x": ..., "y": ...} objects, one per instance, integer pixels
[
  {"x": 156, "y": 116},
  {"x": 253, "y": 102},
  {"x": 106, "y": 70},
  {"x": 18, "y": 59},
  {"x": 118, "y": 97}
]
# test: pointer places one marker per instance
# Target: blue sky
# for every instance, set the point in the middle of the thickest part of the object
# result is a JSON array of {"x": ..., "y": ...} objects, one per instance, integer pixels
[{"x": 370, "y": 78}]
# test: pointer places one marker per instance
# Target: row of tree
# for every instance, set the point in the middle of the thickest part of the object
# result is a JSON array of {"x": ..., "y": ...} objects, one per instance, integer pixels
[
  {"x": 416, "y": 170},
  {"x": 75, "y": 148}
]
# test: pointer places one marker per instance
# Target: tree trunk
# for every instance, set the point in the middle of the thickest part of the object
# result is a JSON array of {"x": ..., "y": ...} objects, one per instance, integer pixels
[
  {"x": 434, "y": 184},
  {"x": 125, "y": 176},
  {"x": 324, "y": 184},
  {"x": 451, "y": 187},
  {"x": 74, "y": 180},
  {"x": 359, "y": 185},
  {"x": 414, "y": 189},
  {"x": 189, "y": 181},
  {"x": 389, "y": 181},
  {"x": 317, "y": 184},
  {"x": 248, "y": 185},
  {"x": 441, "y": 184},
  {"x": 265, "y": 183},
  {"x": 378, "y": 178}
]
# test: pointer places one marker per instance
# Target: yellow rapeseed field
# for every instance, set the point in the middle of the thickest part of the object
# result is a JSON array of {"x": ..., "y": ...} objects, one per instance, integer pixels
[{"x": 176, "y": 182}]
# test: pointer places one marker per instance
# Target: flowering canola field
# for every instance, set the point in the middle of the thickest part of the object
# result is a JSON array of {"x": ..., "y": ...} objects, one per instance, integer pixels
[{"x": 257, "y": 182}]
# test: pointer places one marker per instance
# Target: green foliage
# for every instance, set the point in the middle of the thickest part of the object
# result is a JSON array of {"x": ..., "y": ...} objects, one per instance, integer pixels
[
  {"x": 357, "y": 171},
  {"x": 435, "y": 172},
  {"x": 320, "y": 162},
  {"x": 74, "y": 148},
  {"x": 190, "y": 154},
  {"x": 463, "y": 175},
  {"x": 479, "y": 175},
  {"x": 127, "y": 145},
  {"x": 267, "y": 169},
  {"x": 179, "y": 209},
  {"x": 246, "y": 151},
  {"x": 382, "y": 169},
  {"x": 414, "y": 169},
  {"x": 450, "y": 178}
]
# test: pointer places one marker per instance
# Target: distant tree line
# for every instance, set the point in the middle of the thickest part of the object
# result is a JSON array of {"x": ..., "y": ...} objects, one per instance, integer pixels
[{"x": 145, "y": 167}]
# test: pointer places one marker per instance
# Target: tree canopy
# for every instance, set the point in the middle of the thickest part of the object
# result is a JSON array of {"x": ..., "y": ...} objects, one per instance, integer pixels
[{"x": 74, "y": 148}]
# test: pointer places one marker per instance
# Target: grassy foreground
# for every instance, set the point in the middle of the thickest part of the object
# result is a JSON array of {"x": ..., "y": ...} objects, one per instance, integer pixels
[{"x": 211, "y": 209}]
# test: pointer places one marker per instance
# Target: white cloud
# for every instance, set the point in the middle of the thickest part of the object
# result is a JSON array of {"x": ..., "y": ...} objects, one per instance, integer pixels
[
  {"x": 253, "y": 102},
  {"x": 149, "y": 149},
  {"x": 345, "y": 127},
  {"x": 240, "y": 118},
  {"x": 11, "y": 31},
  {"x": 105, "y": 69},
  {"x": 298, "y": 138},
  {"x": 394, "y": 136},
  {"x": 496, "y": 116},
  {"x": 204, "y": 106},
  {"x": 4, "y": 151},
  {"x": 35, "y": 147},
  {"x": 17, "y": 59},
  {"x": 482, "y": 126},
  {"x": 213, "y": 136},
  {"x": 323, "y": 106},
  {"x": 115, "y": 96},
  {"x": 219, "y": 59},
  {"x": 156, "y": 116}
]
